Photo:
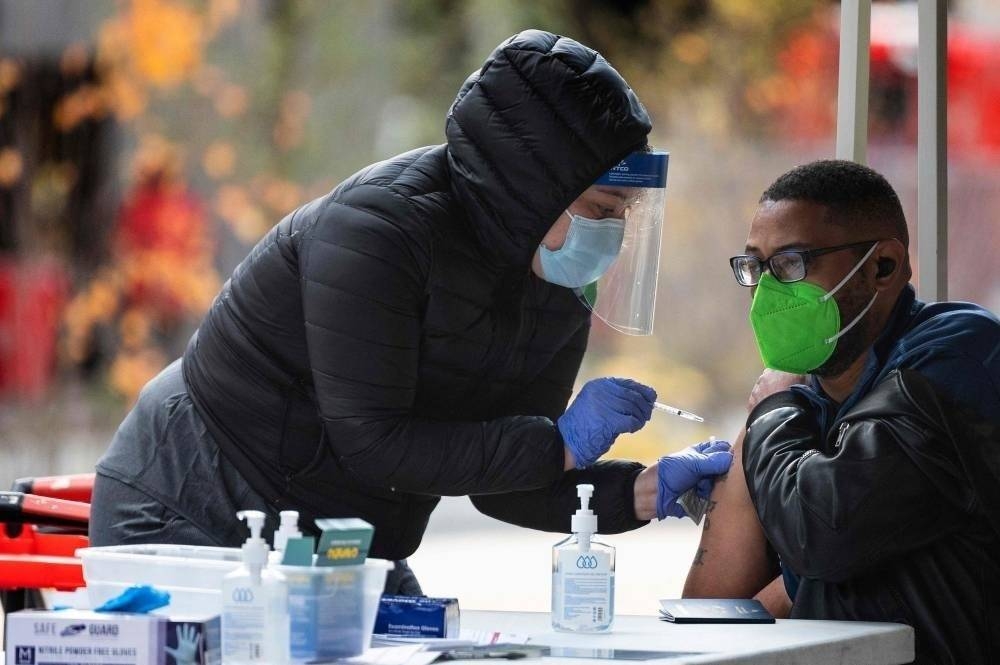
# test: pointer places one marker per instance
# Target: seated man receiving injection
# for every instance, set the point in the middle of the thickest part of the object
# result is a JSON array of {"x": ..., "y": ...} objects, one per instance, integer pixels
[{"x": 867, "y": 480}]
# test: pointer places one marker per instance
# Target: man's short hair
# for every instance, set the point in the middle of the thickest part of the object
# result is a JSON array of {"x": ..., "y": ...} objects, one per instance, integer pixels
[{"x": 857, "y": 197}]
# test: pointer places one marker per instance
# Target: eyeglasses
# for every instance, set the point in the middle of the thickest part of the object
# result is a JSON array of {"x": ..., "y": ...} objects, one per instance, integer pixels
[{"x": 788, "y": 266}]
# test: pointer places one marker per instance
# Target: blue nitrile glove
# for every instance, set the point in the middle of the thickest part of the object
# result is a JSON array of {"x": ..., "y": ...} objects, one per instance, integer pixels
[
  {"x": 695, "y": 466},
  {"x": 136, "y": 599},
  {"x": 604, "y": 409}
]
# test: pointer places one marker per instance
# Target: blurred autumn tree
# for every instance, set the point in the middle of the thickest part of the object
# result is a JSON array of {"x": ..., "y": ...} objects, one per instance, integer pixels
[
  {"x": 198, "y": 124},
  {"x": 145, "y": 145},
  {"x": 720, "y": 53}
]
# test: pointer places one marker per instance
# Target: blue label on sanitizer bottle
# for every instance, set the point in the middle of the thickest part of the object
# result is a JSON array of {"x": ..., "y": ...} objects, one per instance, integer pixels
[{"x": 585, "y": 588}]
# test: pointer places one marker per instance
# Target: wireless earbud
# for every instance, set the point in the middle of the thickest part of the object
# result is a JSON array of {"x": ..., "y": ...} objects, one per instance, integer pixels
[{"x": 885, "y": 267}]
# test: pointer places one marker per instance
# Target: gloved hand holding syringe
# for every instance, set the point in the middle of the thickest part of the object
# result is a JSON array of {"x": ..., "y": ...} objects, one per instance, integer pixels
[{"x": 610, "y": 406}]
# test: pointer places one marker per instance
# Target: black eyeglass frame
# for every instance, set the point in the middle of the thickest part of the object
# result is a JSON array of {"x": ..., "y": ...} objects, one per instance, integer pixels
[{"x": 806, "y": 255}]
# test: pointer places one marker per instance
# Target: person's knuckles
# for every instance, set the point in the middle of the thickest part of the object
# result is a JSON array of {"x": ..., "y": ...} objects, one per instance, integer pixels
[
  {"x": 619, "y": 383},
  {"x": 719, "y": 462},
  {"x": 675, "y": 511},
  {"x": 696, "y": 465},
  {"x": 626, "y": 395},
  {"x": 646, "y": 391},
  {"x": 635, "y": 424},
  {"x": 638, "y": 403}
]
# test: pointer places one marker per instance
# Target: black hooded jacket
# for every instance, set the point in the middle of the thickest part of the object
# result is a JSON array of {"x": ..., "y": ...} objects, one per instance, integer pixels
[{"x": 387, "y": 344}]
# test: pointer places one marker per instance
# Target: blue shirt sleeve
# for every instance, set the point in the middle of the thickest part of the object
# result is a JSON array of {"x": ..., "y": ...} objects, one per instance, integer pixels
[{"x": 958, "y": 351}]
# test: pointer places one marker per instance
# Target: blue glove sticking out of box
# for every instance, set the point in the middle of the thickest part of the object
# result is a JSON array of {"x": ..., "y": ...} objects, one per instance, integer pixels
[{"x": 136, "y": 599}]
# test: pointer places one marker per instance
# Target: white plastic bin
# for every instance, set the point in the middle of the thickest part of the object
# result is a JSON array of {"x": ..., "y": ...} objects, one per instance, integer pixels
[
  {"x": 332, "y": 609},
  {"x": 192, "y": 575}
]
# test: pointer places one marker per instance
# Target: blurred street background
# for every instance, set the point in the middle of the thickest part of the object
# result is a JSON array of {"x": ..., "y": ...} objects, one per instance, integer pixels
[{"x": 146, "y": 145}]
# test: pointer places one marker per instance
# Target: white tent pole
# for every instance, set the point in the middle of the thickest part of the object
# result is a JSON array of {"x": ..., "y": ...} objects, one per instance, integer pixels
[
  {"x": 852, "y": 90},
  {"x": 932, "y": 149}
]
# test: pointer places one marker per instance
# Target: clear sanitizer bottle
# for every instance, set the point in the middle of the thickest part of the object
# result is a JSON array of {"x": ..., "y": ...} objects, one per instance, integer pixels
[
  {"x": 255, "y": 619},
  {"x": 583, "y": 575},
  {"x": 288, "y": 527}
]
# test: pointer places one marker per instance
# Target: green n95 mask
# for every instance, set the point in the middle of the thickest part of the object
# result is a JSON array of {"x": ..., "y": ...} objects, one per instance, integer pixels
[{"x": 797, "y": 325}]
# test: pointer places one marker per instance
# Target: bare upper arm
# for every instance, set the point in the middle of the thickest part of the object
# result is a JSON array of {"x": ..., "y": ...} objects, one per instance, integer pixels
[{"x": 732, "y": 560}]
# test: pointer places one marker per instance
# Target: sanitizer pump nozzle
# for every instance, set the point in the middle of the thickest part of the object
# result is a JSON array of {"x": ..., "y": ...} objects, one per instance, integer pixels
[
  {"x": 255, "y": 548},
  {"x": 289, "y": 528},
  {"x": 584, "y": 521}
]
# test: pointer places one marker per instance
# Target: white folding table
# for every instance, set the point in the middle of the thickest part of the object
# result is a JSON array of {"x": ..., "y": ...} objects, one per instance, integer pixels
[{"x": 786, "y": 642}]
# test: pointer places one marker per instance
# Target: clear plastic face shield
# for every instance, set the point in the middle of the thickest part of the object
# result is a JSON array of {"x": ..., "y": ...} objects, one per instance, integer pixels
[{"x": 624, "y": 296}]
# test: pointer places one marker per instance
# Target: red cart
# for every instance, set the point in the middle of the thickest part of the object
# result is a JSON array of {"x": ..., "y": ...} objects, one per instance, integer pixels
[{"x": 43, "y": 521}]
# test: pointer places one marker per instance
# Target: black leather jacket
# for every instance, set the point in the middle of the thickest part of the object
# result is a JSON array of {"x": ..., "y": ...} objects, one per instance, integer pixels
[{"x": 891, "y": 518}]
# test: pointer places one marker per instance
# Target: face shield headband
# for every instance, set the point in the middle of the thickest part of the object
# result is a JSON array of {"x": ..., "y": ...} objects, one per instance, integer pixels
[{"x": 624, "y": 296}]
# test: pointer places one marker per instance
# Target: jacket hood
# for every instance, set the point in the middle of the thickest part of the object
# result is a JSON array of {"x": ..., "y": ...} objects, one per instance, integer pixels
[{"x": 541, "y": 120}]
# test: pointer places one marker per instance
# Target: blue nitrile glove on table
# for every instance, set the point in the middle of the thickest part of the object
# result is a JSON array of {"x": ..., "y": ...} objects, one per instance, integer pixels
[
  {"x": 695, "y": 466},
  {"x": 139, "y": 599},
  {"x": 604, "y": 409}
]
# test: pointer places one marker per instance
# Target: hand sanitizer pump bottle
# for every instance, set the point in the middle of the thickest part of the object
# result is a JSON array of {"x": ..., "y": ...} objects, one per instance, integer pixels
[
  {"x": 255, "y": 620},
  {"x": 583, "y": 575},
  {"x": 287, "y": 528}
]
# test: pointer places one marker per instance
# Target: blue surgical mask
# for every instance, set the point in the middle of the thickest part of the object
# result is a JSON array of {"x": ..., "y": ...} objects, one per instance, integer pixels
[{"x": 590, "y": 248}]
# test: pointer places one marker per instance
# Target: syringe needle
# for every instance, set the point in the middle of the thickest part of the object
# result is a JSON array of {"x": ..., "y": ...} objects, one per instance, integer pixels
[{"x": 678, "y": 412}]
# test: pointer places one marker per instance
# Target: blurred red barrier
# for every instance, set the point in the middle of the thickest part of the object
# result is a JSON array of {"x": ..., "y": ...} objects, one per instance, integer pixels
[
  {"x": 33, "y": 294},
  {"x": 72, "y": 487},
  {"x": 39, "y": 535},
  {"x": 35, "y": 560}
]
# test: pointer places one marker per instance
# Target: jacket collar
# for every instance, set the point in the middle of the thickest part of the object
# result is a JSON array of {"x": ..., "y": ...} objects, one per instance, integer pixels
[{"x": 903, "y": 312}]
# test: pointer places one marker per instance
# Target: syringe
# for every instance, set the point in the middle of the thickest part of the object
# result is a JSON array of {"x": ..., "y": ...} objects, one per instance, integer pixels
[{"x": 677, "y": 412}]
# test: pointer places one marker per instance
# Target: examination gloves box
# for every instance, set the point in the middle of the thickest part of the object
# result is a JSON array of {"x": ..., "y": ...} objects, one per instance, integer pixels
[
  {"x": 82, "y": 637},
  {"x": 417, "y": 616}
]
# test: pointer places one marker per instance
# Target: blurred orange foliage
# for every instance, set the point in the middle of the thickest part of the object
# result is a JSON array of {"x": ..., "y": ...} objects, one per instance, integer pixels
[
  {"x": 154, "y": 43},
  {"x": 165, "y": 40},
  {"x": 161, "y": 273}
]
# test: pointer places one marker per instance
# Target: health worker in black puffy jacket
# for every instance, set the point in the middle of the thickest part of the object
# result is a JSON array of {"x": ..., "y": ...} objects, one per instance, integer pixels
[{"x": 404, "y": 338}]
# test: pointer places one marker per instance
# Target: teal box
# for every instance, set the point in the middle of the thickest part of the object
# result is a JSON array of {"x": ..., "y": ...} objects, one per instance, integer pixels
[{"x": 343, "y": 541}]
